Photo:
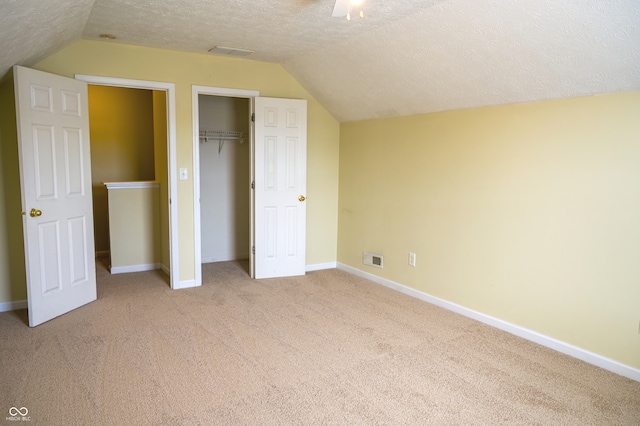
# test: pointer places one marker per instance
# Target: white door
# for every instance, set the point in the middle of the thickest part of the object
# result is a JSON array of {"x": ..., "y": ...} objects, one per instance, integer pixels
[
  {"x": 55, "y": 179},
  {"x": 280, "y": 175}
]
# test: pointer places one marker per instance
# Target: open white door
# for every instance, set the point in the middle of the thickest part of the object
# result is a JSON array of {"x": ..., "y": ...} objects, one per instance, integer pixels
[
  {"x": 280, "y": 175},
  {"x": 55, "y": 179}
]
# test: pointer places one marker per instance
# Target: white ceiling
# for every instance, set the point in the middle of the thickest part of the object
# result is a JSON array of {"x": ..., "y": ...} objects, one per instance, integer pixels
[{"x": 405, "y": 57}]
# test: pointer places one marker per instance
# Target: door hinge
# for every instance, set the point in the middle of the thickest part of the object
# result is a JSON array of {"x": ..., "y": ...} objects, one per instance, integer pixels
[
  {"x": 253, "y": 249},
  {"x": 253, "y": 117},
  {"x": 253, "y": 184}
]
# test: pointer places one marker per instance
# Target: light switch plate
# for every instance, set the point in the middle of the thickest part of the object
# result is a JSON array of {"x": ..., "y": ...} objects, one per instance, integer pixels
[{"x": 183, "y": 173}]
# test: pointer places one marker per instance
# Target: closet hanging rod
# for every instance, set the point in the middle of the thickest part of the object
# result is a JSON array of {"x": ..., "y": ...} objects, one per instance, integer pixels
[
  {"x": 224, "y": 135},
  {"x": 221, "y": 136}
]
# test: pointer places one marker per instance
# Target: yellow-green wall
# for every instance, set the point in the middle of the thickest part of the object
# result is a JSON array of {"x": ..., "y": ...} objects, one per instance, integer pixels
[
  {"x": 12, "y": 266},
  {"x": 161, "y": 169},
  {"x": 187, "y": 69},
  {"x": 134, "y": 226},
  {"x": 528, "y": 213},
  {"x": 122, "y": 146}
]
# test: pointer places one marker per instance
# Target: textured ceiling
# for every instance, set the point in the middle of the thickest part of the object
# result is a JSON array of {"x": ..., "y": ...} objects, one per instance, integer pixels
[
  {"x": 31, "y": 30},
  {"x": 405, "y": 57}
]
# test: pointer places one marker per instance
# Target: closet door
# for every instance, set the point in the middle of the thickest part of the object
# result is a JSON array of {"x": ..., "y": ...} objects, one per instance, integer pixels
[
  {"x": 280, "y": 178},
  {"x": 55, "y": 179}
]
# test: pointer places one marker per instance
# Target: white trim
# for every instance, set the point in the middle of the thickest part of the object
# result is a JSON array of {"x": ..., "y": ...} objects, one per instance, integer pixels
[
  {"x": 135, "y": 268},
  {"x": 252, "y": 198},
  {"x": 170, "y": 89},
  {"x": 321, "y": 266},
  {"x": 13, "y": 306},
  {"x": 195, "y": 116},
  {"x": 132, "y": 185},
  {"x": 224, "y": 91},
  {"x": 166, "y": 270},
  {"x": 549, "y": 342},
  {"x": 185, "y": 284},
  {"x": 226, "y": 258}
]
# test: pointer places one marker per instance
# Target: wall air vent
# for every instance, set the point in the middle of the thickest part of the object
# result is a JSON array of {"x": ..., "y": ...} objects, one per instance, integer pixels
[
  {"x": 230, "y": 51},
  {"x": 372, "y": 259}
]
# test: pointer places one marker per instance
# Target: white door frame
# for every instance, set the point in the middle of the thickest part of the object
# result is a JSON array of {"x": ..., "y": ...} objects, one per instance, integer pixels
[
  {"x": 170, "y": 89},
  {"x": 195, "y": 112}
]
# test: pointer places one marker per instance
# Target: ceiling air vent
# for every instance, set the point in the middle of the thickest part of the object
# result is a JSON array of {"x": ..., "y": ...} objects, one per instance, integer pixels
[{"x": 230, "y": 51}]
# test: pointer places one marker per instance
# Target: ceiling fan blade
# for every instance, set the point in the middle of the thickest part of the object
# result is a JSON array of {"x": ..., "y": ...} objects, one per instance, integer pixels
[{"x": 341, "y": 8}]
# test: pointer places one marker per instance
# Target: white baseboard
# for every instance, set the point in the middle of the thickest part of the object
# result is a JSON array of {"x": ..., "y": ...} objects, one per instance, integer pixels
[
  {"x": 557, "y": 345},
  {"x": 226, "y": 258},
  {"x": 185, "y": 284},
  {"x": 308, "y": 268},
  {"x": 165, "y": 269},
  {"x": 13, "y": 306},
  {"x": 135, "y": 268},
  {"x": 321, "y": 266}
]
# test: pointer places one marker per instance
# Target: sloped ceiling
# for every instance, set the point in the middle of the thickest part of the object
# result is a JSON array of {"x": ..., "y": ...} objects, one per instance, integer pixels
[
  {"x": 405, "y": 57},
  {"x": 31, "y": 30}
]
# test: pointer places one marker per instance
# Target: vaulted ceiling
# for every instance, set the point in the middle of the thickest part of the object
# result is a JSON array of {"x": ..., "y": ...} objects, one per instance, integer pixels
[{"x": 405, "y": 57}]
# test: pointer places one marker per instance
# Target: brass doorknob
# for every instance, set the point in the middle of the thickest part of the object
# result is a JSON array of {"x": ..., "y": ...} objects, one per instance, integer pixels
[
  {"x": 35, "y": 213},
  {"x": 301, "y": 198}
]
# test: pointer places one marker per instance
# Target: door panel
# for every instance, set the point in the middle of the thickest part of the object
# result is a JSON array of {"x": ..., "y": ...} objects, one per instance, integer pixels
[
  {"x": 291, "y": 232},
  {"x": 74, "y": 170},
  {"x": 45, "y": 167},
  {"x": 271, "y": 232},
  {"x": 49, "y": 251},
  {"x": 41, "y": 98},
  {"x": 55, "y": 178},
  {"x": 77, "y": 227},
  {"x": 280, "y": 157},
  {"x": 71, "y": 103}
]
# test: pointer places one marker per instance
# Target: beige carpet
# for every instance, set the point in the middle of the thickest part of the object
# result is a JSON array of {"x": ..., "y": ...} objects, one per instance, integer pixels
[{"x": 327, "y": 348}]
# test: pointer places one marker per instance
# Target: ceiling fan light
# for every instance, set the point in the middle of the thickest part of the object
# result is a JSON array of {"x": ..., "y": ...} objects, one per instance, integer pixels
[{"x": 345, "y": 7}]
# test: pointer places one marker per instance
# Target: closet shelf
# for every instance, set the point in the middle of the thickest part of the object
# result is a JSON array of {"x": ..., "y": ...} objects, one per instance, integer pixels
[{"x": 221, "y": 136}]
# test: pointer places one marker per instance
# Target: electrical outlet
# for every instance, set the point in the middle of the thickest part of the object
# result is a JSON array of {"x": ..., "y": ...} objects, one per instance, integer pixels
[{"x": 412, "y": 259}]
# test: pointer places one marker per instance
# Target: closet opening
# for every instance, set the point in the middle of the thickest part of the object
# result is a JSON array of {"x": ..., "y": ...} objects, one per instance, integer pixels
[
  {"x": 128, "y": 129},
  {"x": 153, "y": 242},
  {"x": 224, "y": 162}
]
